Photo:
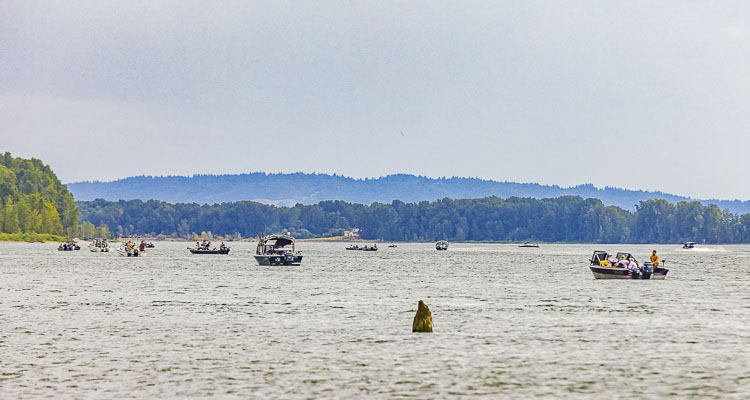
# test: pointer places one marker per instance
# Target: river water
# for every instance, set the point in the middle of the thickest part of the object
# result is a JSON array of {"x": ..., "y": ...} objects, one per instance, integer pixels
[{"x": 508, "y": 322}]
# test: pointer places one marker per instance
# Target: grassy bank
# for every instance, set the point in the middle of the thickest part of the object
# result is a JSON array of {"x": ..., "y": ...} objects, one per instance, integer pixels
[{"x": 31, "y": 237}]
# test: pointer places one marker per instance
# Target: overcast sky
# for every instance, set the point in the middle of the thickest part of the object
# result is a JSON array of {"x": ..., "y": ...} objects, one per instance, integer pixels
[{"x": 641, "y": 95}]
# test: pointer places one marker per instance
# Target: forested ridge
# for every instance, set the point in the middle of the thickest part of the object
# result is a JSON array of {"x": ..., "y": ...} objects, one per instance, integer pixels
[
  {"x": 561, "y": 219},
  {"x": 34, "y": 204},
  {"x": 292, "y": 188}
]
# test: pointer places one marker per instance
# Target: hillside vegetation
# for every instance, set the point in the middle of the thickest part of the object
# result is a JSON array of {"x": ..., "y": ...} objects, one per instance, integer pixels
[
  {"x": 34, "y": 205},
  {"x": 563, "y": 219},
  {"x": 290, "y": 189}
]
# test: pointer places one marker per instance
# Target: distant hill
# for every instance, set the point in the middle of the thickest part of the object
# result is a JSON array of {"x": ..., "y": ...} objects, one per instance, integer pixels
[{"x": 289, "y": 189}]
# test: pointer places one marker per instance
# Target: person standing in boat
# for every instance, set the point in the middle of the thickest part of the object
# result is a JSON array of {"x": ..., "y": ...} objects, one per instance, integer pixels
[
  {"x": 654, "y": 259},
  {"x": 142, "y": 247},
  {"x": 612, "y": 260}
]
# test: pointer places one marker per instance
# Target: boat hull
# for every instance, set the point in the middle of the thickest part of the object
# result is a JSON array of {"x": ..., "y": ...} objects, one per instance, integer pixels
[
  {"x": 125, "y": 253},
  {"x": 278, "y": 260},
  {"x": 224, "y": 251},
  {"x": 623, "y": 273}
]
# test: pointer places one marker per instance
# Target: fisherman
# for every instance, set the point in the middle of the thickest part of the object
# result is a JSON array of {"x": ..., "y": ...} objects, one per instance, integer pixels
[
  {"x": 654, "y": 259},
  {"x": 633, "y": 266},
  {"x": 612, "y": 260},
  {"x": 197, "y": 245},
  {"x": 623, "y": 263},
  {"x": 142, "y": 247}
]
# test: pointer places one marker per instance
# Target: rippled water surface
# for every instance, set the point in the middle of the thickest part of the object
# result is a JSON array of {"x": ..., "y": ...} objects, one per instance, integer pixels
[{"x": 508, "y": 321}]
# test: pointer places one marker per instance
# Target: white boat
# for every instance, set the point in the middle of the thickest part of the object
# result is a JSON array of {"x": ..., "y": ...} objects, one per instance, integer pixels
[
  {"x": 277, "y": 250},
  {"x": 131, "y": 246},
  {"x": 688, "y": 245},
  {"x": 602, "y": 269},
  {"x": 441, "y": 245},
  {"x": 99, "y": 245}
]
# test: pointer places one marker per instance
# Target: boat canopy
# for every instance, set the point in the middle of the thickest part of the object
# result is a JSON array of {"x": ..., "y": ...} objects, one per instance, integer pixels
[
  {"x": 598, "y": 256},
  {"x": 278, "y": 241}
]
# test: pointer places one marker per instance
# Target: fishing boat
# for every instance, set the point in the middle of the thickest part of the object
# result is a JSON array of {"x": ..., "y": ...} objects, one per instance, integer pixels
[
  {"x": 602, "y": 269},
  {"x": 277, "y": 250},
  {"x": 527, "y": 244},
  {"x": 688, "y": 245},
  {"x": 131, "y": 246},
  {"x": 364, "y": 248},
  {"x": 393, "y": 245},
  {"x": 220, "y": 250},
  {"x": 99, "y": 245},
  {"x": 441, "y": 245},
  {"x": 68, "y": 246},
  {"x": 150, "y": 245}
]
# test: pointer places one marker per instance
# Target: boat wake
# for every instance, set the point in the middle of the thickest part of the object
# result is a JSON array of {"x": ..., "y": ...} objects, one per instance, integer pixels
[{"x": 703, "y": 249}]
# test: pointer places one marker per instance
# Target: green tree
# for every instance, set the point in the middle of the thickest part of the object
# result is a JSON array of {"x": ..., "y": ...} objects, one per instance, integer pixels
[
  {"x": 88, "y": 230},
  {"x": 9, "y": 217}
]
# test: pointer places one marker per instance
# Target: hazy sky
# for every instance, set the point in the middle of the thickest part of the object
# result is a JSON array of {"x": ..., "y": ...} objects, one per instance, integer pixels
[{"x": 642, "y": 95}]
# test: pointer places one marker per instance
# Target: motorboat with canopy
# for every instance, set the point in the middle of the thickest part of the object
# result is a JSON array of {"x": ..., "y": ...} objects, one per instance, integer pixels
[
  {"x": 277, "y": 250},
  {"x": 602, "y": 269},
  {"x": 441, "y": 245},
  {"x": 99, "y": 245},
  {"x": 131, "y": 246}
]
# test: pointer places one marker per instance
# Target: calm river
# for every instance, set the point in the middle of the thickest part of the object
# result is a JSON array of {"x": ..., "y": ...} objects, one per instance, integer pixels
[{"x": 508, "y": 321}]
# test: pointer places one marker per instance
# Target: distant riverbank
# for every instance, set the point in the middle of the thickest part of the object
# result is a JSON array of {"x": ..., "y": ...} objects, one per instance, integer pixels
[{"x": 31, "y": 237}]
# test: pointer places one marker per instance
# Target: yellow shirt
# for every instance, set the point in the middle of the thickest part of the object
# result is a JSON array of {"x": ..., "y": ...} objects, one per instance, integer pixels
[{"x": 655, "y": 259}]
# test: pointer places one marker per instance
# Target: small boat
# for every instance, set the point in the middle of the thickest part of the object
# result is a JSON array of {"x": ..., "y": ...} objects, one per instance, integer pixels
[
  {"x": 441, "y": 245},
  {"x": 99, "y": 245},
  {"x": 602, "y": 269},
  {"x": 68, "y": 246},
  {"x": 220, "y": 250},
  {"x": 527, "y": 244},
  {"x": 364, "y": 248},
  {"x": 277, "y": 250},
  {"x": 392, "y": 245},
  {"x": 688, "y": 245},
  {"x": 150, "y": 245},
  {"x": 131, "y": 246}
]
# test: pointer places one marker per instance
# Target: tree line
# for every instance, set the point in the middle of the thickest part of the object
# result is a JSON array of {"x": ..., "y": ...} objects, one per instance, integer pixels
[
  {"x": 33, "y": 201},
  {"x": 561, "y": 219}
]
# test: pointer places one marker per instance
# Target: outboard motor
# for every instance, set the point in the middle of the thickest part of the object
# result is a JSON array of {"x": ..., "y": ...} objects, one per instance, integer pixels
[
  {"x": 648, "y": 269},
  {"x": 288, "y": 258},
  {"x": 635, "y": 273}
]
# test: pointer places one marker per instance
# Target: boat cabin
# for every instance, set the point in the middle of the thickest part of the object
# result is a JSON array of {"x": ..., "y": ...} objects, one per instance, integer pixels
[
  {"x": 600, "y": 256},
  {"x": 275, "y": 244}
]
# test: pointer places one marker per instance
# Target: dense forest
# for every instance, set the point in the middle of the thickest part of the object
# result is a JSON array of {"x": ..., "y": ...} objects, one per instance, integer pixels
[
  {"x": 561, "y": 219},
  {"x": 290, "y": 189},
  {"x": 34, "y": 205}
]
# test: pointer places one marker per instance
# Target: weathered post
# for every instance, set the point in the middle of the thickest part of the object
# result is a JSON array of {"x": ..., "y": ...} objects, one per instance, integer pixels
[{"x": 423, "y": 319}]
